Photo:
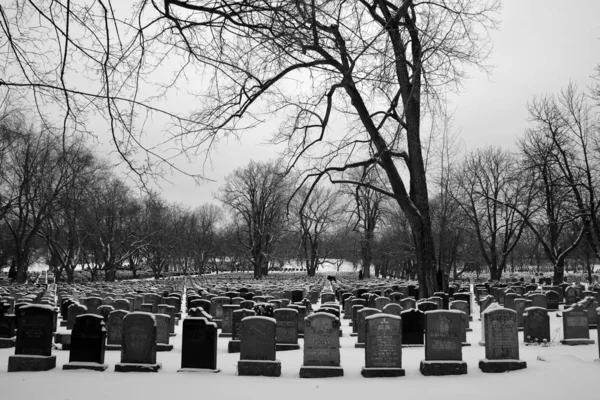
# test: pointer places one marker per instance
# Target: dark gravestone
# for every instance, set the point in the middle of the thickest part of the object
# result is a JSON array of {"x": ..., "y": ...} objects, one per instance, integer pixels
[
  {"x": 163, "y": 322},
  {"x": 8, "y": 329},
  {"x": 443, "y": 343},
  {"x": 463, "y": 306},
  {"x": 104, "y": 310},
  {"x": 33, "y": 348},
  {"x": 413, "y": 325},
  {"x": 227, "y": 324},
  {"x": 286, "y": 332},
  {"x": 445, "y": 300},
  {"x": 570, "y": 296},
  {"x": 520, "y": 306},
  {"x": 509, "y": 300},
  {"x": 92, "y": 304},
  {"x": 427, "y": 306},
  {"x": 537, "y": 325},
  {"x": 205, "y": 304},
  {"x": 552, "y": 300},
  {"x": 321, "y": 347},
  {"x": 87, "y": 344},
  {"x": 138, "y": 352},
  {"x": 355, "y": 310},
  {"x": 383, "y": 351},
  {"x": 362, "y": 325},
  {"x": 575, "y": 326},
  {"x": 238, "y": 315},
  {"x": 199, "y": 345},
  {"x": 114, "y": 329},
  {"x": 73, "y": 312},
  {"x": 257, "y": 348},
  {"x": 501, "y": 342}
]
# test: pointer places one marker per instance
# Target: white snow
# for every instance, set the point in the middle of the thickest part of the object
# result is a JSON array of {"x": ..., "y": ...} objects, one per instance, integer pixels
[{"x": 554, "y": 372}]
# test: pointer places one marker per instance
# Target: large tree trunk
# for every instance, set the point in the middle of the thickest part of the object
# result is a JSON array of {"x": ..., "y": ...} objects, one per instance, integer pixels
[
  {"x": 425, "y": 252},
  {"x": 559, "y": 271}
]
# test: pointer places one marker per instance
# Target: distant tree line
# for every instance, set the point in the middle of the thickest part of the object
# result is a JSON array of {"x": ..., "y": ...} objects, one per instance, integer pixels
[{"x": 492, "y": 209}]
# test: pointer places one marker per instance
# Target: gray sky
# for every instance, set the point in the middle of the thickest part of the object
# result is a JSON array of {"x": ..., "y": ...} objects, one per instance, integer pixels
[{"x": 541, "y": 46}]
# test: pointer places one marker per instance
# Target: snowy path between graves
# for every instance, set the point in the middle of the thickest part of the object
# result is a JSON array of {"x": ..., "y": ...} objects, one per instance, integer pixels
[{"x": 567, "y": 372}]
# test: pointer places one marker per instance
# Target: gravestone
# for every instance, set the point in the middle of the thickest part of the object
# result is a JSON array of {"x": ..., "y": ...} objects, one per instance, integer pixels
[
  {"x": 8, "y": 329},
  {"x": 381, "y": 302},
  {"x": 501, "y": 341},
  {"x": 520, "y": 306},
  {"x": 87, "y": 344},
  {"x": 538, "y": 300},
  {"x": 575, "y": 326},
  {"x": 114, "y": 329},
  {"x": 227, "y": 324},
  {"x": 92, "y": 304},
  {"x": 393, "y": 308},
  {"x": 286, "y": 331},
  {"x": 138, "y": 352},
  {"x": 570, "y": 296},
  {"x": 537, "y": 325},
  {"x": 413, "y": 326},
  {"x": 463, "y": 306},
  {"x": 162, "y": 332},
  {"x": 443, "y": 343},
  {"x": 327, "y": 297},
  {"x": 355, "y": 310},
  {"x": 33, "y": 348},
  {"x": 408, "y": 303},
  {"x": 427, "y": 306},
  {"x": 509, "y": 300},
  {"x": 121, "y": 304},
  {"x": 73, "y": 312},
  {"x": 199, "y": 346},
  {"x": 257, "y": 347},
  {"x": 552, "y": 300},
  {"x": 234, "y": 344},
  {"x": 362, "y": 325},
  {"x": 170, "y": 311},
  {"x": 383, "y": 351},
  {"x": 321, "y": 347}
]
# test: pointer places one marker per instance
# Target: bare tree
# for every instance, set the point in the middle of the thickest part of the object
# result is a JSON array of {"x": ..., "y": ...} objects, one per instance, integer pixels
[
  {"x": 377, "y": 63},
  {"x": 485, "y": 185},
  {"x": 317, "y": 220},
  {"x": 257, "y": 195}
]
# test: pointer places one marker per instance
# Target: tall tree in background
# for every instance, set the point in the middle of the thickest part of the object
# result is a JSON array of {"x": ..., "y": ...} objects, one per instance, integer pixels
[
  {"x": 379, "y": 63},
  {"x": 485, "y": 185},
  {"x": 257, "y": 195},
  {"x": 318, "y": 217}
]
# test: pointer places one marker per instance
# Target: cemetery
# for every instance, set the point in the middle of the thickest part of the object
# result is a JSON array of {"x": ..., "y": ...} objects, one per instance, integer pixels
[
  {"x": 299, "y": 200},
  {"x": 257, "y": 342}
]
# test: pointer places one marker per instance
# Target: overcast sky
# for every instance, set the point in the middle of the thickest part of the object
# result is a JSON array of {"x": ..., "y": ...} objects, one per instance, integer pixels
[{"x": 541, "y": 46}]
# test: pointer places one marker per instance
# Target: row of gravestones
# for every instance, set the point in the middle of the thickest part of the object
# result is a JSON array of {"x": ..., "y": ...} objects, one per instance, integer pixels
[
  {"x": 534, "y": 321},
  {"x": 383, "y": 344},
  {"x": 565, "y": 292}
]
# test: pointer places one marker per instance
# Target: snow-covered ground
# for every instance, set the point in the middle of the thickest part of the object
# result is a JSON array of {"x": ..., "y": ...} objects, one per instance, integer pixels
[{"x": 567, "y": 373}]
